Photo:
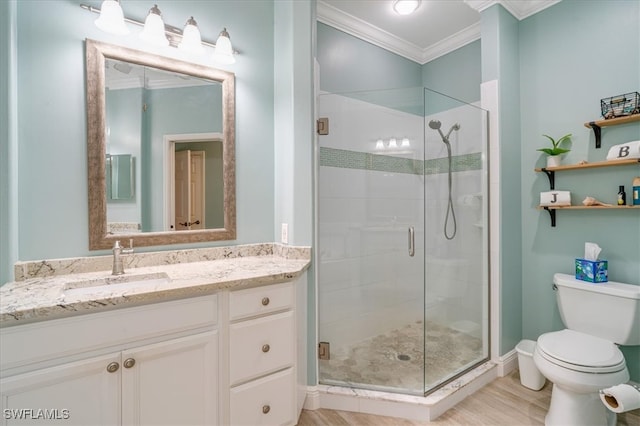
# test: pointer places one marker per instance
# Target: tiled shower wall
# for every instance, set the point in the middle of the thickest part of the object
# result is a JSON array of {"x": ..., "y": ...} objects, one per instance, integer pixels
[{"x": 369, "y": 197}]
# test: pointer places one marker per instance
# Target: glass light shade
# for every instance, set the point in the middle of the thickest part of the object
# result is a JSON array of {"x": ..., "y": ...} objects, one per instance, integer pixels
[
  {"x": 393, "y": 143},
  {"x": 224, "y": 51},
  {"x": 405, "y": 143},
  {"x": 191, "y": 40},
  {"x": 153, "y": 31},
  {"x": 111, "y": 19},
  {"x": 379, "y": 144},
  {"x": 406, "y": 7}
]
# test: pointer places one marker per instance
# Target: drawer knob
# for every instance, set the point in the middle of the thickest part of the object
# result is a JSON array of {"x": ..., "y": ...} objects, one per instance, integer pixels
[
  {"x": 129, "y": 362},
  {"x": 113, "y": 367},
  {"x": 266, "y": 409},
  {"x": 265, "y": 301},
  {"x": 266, "y": 348}
]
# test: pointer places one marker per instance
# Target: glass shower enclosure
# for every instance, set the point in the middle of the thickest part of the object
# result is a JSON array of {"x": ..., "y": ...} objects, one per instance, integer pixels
[{"x": 402, "y": 240}]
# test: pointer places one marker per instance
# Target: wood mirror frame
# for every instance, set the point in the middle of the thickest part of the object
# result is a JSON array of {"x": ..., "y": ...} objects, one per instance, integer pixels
[{"x": 99, "y": 237}]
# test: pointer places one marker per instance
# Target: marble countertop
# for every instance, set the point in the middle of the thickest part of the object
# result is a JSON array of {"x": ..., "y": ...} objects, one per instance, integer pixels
[{"x": 43, "y": 289}]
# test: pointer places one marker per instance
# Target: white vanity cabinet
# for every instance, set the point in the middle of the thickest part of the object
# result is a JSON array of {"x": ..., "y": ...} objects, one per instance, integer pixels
[
  {"x": 264, "y": 352},
  {"x": 154, "y": 364}
]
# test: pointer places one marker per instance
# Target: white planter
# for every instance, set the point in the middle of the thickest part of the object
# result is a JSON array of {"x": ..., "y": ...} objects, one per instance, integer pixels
[{"x": 553, "y": 160}]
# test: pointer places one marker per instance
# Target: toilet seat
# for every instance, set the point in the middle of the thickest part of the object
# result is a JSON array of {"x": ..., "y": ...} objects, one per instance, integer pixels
[{"x": 580, "y": 352}]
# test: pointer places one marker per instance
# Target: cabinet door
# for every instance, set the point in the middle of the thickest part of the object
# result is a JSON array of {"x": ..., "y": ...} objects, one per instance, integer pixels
[
  {"x": 172, "y": 383},
  {"x": 76, "y": 393},
  {"x": 269, "y": 401}
]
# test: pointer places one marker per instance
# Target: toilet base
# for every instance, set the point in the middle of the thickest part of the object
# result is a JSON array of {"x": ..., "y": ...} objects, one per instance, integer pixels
[{"x": 577, "y": 409}]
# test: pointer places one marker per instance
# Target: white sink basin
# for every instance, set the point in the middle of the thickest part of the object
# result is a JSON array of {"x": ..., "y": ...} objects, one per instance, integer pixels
[{"x": 116, "y": 285}]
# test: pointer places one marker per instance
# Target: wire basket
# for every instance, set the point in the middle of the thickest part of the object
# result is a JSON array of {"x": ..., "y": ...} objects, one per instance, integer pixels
[{"x": 621, "y": 105}]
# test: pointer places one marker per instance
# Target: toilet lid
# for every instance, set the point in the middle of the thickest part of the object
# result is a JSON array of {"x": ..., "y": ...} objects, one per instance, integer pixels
[{"x": 582, "y": 352}]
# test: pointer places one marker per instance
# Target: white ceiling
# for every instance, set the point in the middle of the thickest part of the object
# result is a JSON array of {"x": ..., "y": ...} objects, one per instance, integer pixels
[{"x": 436, "y": 28}]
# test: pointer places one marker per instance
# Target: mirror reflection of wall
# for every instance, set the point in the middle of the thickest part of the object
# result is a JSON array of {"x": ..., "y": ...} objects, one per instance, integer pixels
[{"x": 143, "y": 105}]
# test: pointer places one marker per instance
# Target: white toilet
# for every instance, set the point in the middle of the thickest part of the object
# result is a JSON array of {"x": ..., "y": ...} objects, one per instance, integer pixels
[{"x": 584, "y": 358}]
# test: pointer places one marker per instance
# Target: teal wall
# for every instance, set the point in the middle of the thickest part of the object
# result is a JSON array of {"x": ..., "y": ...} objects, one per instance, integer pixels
[
  {"x": 348, "y": 64},
  {"x": 8, "y": 141},
  {"x": 50, "y": 165},
  {"x": 456, "y": 74},
  {"x": 294, "y": 138},
  {"x": 568, "y": 62},
  {"x": 500, "y": 58}
]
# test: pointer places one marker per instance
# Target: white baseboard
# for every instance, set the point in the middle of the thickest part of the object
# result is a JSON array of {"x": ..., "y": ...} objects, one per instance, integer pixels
[
  {"x": 312, "y": 401},
  {"x": 507, "y": 363}
]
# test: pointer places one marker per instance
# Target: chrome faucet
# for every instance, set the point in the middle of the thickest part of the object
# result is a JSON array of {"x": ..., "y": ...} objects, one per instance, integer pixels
[{"x": 118, "y": 251}]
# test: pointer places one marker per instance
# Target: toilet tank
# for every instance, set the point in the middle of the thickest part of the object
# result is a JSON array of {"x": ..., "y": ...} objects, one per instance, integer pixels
[{"x": 608, "y": 310}]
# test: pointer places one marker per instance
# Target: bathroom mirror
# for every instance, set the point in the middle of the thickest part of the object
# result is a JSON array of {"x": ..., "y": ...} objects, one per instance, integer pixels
[{"x": 152, "y": 108}]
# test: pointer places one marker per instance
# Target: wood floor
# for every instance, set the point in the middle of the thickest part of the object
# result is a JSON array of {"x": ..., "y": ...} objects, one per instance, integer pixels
[{"x": 504, "y": 402}]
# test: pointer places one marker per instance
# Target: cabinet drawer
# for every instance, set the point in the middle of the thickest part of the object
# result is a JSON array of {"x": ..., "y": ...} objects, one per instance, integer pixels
[
  {"x": 260, "y": 300},
  {"x": 261, "y": 346},
  {"x": 31, "y": 343},
  {"x": 266, "y": 401}
]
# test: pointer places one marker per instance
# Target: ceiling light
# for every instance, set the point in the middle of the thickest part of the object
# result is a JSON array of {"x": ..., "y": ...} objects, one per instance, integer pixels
[
  {"x": 111, "y": 18},
  {"x": 191, "y": 40},
  {"x": 405, "y": 7},
  {"x": 153, "y": 31},
  {"x": 224, "y": 51}
]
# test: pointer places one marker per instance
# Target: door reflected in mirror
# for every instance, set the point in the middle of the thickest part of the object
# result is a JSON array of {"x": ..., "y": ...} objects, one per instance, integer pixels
[{"x": 157, "y": 111}]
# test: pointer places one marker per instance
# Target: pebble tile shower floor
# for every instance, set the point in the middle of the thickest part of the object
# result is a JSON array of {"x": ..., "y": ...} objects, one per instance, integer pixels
[{"x": 397, "y": 358}]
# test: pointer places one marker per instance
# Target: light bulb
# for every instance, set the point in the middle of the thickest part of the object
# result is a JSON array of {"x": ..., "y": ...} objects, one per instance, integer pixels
[
  {"x": 405, "y": 143},
  {"x": 111, "y": 19},
  {"x": 406, "y": 7},
  {"x": 393, "y": 143},
  {"x": 191, "y": 40},
  {"x": 379, "y": 144},
  {"x": 153, "y": 31},
  {"x": 224, "y": 50}
]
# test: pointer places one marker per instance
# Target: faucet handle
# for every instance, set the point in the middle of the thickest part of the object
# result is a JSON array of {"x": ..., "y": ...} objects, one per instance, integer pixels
[
  {"x": 117, "y": 245},
  {"x": 130, "y": 249}
]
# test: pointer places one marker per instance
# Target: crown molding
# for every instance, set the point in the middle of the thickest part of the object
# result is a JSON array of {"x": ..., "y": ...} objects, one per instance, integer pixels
[
  {"x": 451, "y": 43},
  {"x": 520, "y": 9},
  {"x": 354, "y": 26}
]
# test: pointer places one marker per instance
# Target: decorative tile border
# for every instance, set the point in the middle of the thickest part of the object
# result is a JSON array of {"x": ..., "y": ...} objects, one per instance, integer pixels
[{"x": 345, "y": 159}]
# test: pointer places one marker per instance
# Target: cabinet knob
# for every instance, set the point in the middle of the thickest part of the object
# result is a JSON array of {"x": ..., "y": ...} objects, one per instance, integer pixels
[
  {"x": 129, "y": 362},
  {"x": 266, "y": 348},
  {"x": 265, "y": 301},
  {"x": 266, "y": 409},
  {"x": 113, "y": 367}
]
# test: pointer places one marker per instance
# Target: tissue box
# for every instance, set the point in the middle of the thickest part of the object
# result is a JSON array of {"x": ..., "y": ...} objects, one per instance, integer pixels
[{"x": 593, "y": 271}]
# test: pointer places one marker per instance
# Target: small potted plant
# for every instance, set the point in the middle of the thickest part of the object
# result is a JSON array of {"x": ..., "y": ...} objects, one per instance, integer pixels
[{"x": 553, "y": 159}]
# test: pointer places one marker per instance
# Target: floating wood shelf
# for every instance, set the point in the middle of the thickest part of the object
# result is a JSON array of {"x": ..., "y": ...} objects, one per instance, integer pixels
[
  {"x": 550, "y": 171},
  {"x": 597, "y": 125},
  {"x": 552, "y": 209}
]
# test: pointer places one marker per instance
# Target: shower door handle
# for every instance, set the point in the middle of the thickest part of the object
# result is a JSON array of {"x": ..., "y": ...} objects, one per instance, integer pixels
[{"x": 412, "y": 241}]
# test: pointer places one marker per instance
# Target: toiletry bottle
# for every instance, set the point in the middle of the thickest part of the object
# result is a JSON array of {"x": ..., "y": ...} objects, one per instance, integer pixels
[
  {"x": 636, "y": 191},
  {"x": 622, "y": 196}
]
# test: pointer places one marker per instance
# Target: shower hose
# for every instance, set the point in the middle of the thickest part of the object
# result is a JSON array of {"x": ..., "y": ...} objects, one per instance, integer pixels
[{"x": 450, "y": 211}]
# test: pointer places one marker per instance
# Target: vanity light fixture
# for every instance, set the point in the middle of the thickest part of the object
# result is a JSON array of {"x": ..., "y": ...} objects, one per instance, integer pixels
[
  {"x": 393, "y": 144},
  {"x": 405, "y": 143},
  {"x": 111, "y": 18},
  {"x": 379, "y": 144},
  {"x": 224, "y": 51},
  {"x": 191, "y": 40},
  {"x": 155, "y": 31},
  {"x": 406, "y": 7}
]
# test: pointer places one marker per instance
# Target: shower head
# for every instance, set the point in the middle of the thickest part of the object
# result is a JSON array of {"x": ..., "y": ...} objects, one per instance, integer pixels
[{"x": 436, "y": 124}]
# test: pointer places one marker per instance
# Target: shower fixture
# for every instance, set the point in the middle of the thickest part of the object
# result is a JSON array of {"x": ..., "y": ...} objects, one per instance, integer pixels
[{"x": 435, "y": 125}]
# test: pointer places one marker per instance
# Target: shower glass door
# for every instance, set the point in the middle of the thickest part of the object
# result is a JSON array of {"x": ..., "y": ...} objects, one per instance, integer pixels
[
  {"x": 402, "y": 240},
  {"x": 371, "y": 245},
  {"x": 456, "y": 238}
]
